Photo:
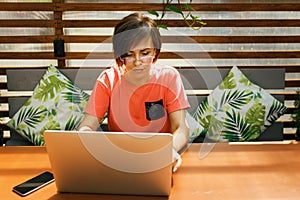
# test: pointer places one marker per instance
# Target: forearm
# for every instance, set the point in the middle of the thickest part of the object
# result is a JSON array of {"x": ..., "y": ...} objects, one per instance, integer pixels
[
  {"x": 180, "y": 138},
  {"x": 89, "y": 122},
  {"x": 179, "y": 129}
]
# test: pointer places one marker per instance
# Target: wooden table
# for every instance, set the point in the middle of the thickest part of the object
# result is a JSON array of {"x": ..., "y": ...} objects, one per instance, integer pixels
[{"x": 255, "y": 172}]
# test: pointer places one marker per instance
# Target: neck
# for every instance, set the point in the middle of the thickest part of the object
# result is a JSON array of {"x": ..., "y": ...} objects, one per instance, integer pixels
[{"x": 136, "y": 82}]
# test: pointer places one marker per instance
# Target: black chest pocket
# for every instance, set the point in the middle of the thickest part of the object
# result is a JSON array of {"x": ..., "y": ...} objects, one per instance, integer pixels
[{"x": 154, "y": 110}]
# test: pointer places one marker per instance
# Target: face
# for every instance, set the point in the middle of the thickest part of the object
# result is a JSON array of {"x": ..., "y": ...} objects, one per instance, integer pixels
[{"x": 138, "y": 62}]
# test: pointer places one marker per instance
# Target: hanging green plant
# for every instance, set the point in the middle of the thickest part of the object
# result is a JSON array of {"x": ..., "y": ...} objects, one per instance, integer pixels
[
  {"x": 296, "y": 115},
  {"x": 185, "y": 10}
]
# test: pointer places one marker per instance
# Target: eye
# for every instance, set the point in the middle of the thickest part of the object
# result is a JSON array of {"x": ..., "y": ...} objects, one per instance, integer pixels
[
  {"x": 128, "y": 54},
  {"x": 146, "y": 53}
]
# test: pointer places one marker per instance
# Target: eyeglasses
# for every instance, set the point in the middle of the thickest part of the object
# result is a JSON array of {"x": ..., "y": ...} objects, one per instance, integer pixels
[{"x": 131, "y": 59}]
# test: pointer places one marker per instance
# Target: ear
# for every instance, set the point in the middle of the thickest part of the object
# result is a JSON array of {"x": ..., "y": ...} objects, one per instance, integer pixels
[
  {"x": 119, "y": 62},
  {"x": 153, "y": 59}
]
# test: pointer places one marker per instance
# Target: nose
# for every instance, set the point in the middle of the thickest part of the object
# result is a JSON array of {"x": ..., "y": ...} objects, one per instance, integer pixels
[{"x": 137, "y": 60}]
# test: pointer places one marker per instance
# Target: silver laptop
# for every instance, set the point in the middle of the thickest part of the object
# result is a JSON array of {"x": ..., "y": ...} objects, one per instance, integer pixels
[{"x": 111, "y": 162}]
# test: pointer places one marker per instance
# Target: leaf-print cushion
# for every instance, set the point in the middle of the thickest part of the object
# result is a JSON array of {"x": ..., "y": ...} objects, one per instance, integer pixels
[
  {"x": 56, "y": 104},
  {"x": 237, "y": 110},
  {"x": 194, "y": 126}
]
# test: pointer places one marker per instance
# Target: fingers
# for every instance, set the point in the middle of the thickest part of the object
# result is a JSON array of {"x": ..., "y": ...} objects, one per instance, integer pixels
[
  {"x": 177, "y": 160},
  {"x": 178, "y": 164},
  {"x": 175, "y": 155},
  {"x": 85, "y": 128}
]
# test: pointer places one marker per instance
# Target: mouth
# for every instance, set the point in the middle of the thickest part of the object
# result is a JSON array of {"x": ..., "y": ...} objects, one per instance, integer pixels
[{"x": 139, "y": 69}]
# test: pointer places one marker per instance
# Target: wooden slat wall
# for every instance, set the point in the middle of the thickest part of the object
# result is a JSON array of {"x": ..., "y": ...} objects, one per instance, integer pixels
[{"x": 60, "y": 21}]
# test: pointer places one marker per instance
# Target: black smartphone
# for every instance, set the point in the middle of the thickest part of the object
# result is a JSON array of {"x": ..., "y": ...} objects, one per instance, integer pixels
[{"x": 34, "y": 183}]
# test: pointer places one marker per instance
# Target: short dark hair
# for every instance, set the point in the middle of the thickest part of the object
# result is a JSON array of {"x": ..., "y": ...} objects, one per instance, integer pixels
[{"x": 131, "y": 30}]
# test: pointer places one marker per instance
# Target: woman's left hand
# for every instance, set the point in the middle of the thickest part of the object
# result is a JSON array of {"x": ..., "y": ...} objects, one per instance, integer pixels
[{"x": 176, "y": 159}]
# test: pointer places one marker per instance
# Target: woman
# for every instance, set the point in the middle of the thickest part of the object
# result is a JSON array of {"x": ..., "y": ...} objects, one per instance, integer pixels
[{"x": 137, "y": 94}]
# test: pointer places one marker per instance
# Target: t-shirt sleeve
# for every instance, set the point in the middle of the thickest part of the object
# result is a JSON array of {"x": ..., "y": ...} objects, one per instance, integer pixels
[{"x": 99, "y": 100}]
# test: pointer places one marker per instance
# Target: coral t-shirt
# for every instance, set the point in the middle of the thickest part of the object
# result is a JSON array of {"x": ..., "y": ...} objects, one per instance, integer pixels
[{"x": 142, "y": 108}]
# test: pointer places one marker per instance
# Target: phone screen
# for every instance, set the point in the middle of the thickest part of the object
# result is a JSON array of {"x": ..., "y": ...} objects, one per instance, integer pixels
[{"x": 34, "y": 184}]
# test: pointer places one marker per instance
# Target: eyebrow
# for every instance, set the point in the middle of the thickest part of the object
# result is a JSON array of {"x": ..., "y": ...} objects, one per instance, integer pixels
[{"x": 142, "y": 49}]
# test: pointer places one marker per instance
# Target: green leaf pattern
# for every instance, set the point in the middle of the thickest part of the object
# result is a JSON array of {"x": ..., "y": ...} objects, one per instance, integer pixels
[
  {"x": 228, "y": 82},
  {"x": 236, "y": 128},
  {"x": 56, "y": 104},
  {"x": 235, "y": 98},
  {"x": 237, "y": 110}
]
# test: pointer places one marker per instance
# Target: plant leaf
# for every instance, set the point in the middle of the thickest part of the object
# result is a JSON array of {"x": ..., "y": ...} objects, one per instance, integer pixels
[
  {"x": 237, "y": 129},
  {"x": 236, "y": 98},
  {"x": 162, "y": 26},
  {"x": 201, "y": 109},
  {"x": 48, "y": 88},
  {"x": 73, "y": 123},
  {"x": 194, "y": 17},
  {"x": 276, "y": 110},
  {"x": 51, "y": 125},
  {"x": 31, "y": 116},
  {"x": 245, "y": 81},
  {"x": 228, "y": 82},
  {"x": 37, "y": 139},
  {"x": 188, "y": 7},
  {"x": 153, "y": 12},
  {"x": 174, "y": 9},
  {"x": 255, "y": 115}
]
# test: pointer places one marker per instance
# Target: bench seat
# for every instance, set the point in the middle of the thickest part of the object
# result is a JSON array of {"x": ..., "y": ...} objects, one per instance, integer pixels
[{"x": 198, "y": 82}]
